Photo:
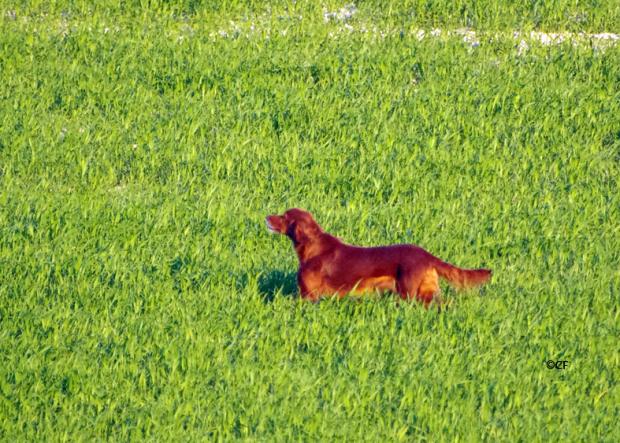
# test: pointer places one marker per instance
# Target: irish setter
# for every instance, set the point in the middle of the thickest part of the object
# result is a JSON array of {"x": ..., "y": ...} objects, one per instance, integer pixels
[{"x": 328, "y": 266}]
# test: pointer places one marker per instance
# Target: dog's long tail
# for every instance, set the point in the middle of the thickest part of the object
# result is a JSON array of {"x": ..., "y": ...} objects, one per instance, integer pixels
[{"x": 462, "y": 278}]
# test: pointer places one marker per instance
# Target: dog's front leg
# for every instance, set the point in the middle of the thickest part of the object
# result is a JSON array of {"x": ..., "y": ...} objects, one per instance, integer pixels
[{"x": 309, "y": 285}]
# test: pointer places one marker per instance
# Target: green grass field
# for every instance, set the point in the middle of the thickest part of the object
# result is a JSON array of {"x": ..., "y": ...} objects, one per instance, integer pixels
[{"x": 141, "y": 147}]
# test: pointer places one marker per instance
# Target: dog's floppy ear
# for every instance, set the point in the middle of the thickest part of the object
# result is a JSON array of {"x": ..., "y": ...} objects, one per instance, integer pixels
[
  {"x": 306, "y": 231},
  {"x": 301, "y": 231},
  {"x": 291, "y": 232}
]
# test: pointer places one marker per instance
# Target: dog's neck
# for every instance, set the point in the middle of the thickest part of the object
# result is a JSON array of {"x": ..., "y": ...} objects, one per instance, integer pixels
[{"x": 323, "y": 243}]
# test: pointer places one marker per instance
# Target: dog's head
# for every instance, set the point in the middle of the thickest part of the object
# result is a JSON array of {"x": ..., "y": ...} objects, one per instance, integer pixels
[{"x": 296, "y": 224}]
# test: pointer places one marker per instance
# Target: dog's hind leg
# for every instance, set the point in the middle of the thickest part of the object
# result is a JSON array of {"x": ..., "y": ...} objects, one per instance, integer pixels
[
  {"x": 423, "y": 284},
  {"x": 428, "y": 290}
]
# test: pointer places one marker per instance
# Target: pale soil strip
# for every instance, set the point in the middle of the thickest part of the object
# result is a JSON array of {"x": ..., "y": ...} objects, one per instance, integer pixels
[
  {"x": 341, "y": 23},
  {"x": 346, "y": 21}
]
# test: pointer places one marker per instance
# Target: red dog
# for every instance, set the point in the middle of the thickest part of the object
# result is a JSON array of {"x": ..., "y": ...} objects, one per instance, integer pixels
[{"x": 329, "y": 266}]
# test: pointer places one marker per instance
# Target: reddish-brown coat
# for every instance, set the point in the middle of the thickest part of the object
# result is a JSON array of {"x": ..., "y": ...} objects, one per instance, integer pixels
[{"x": 329, "y": 266}]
